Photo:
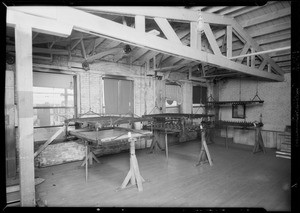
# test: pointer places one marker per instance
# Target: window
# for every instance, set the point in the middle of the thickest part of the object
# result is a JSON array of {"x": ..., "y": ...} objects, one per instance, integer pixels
[
  {"x": 53, "y": 99},
  {"x": 199, "y": 95},
  {"x": 238, "y": 111},
  {"x": 118, "y": 96},
  {"x": 173, "y": 98}
]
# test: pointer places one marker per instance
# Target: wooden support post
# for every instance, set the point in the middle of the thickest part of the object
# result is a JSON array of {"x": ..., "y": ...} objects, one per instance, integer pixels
[
  {"x": 86, "y": 159},
  {"x": 229, "y": 41},
  {"x": 252, "y": 58},
  {"x": 226, "y": 140},
  {"x": 204, "y": 155},
  {"x": 140, "y": 23},
  {"x": 133, "y": 175},
  {"x": 23, "y": 48}
]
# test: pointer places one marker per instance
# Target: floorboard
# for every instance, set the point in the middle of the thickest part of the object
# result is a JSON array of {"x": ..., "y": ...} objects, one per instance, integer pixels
[{"x": 238, "y": 178}]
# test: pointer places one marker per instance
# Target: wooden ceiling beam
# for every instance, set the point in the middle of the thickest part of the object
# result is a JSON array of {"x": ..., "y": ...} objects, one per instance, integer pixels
[
  {"x": 271, "y": 29},
  {"x": 267, "y": 17},
  {"x": 167, "y": 29},
  {"x": 16, "y": 15},
  {"x": 230, "y": 10},
  {"x": 89, "y": 23},
  {"x": 173, "y": 13},
  {"x": 213, "y": 9}
]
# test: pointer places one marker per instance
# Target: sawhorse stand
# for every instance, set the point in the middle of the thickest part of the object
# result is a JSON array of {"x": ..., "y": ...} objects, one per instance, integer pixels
[
  {"x": 155, "y": 142},
  {"x": 88, "y": 159},
  {"x": 259, "y": 143},
  {"x": 133, "y": 175},
  {"x": 204, "y": 155}
]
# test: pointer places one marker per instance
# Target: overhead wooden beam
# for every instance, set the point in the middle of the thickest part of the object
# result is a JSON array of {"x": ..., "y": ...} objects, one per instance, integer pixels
[
  {"x": 271, "y": 29},
  {"x": 150, "y": 54},
  {"x": 214, "y": 9},
  {"x": 167, "y": 29},
  {"x": 262, "y": 52},
  {"x": 103, "y": 54},
  {"x": 230, "y": 10},
  {"x": 140, "y": 23},
  {"x": 15, "y": 15},
  {"x": 76, "y": 43},
  {"x": 266, "y": 17},
  {"x": 83, "y": 49},
  {"x": 195, "y": 36},
  {"x": 244, "y": 11},
  {"x": 179, "y": 14},
  {"x": 229, "y": 41},
  {"x": 23, "y": 46},
  {"x": 262, "y": 65},
  {"x": 244, "y": 51},
  {"x": 253, "y": 44},
  {"x": 211, "y": 39},
  {"x": 42, "y": 50},
  {"x": 89, "y": 23},
  {"x": 171, "y": 13}
]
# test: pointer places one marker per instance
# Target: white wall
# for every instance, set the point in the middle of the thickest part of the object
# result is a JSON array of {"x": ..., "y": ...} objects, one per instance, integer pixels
[{"x": 276, "y": 109}]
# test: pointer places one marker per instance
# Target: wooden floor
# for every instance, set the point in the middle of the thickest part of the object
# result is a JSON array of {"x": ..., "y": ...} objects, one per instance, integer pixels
[{"x": 238, "y": 178}]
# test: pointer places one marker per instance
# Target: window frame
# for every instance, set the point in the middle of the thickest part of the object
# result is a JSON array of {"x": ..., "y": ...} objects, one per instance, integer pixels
[
  {"x": 235, "y": 111},
  {"x": 74, "y": 107}
]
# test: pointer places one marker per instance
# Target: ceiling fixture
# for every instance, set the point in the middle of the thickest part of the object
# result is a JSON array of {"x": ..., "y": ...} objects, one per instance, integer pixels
[
  {"x": 85, "y": 65},
  {"x": 127, "y": 49}
]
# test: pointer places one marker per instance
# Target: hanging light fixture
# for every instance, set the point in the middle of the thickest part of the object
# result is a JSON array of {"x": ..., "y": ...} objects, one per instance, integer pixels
[
  {"x": 200, "y": 23},
  {"x": 127, "y": 49},
  {"x": 85, "y": 65}
]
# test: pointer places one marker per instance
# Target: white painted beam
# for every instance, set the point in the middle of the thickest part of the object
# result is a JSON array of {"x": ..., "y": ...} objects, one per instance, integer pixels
[
  {"x": 262, "y": 52},
  {"x": 23, "y": 45},
  {"x": 267, "y": 17},
  {"x": 167, "y": 29},
  {"x": 140, "y": 23},
  {"x": 16, "y": 15},
  {"x": 253, "y": 44},
  {"x": 229, "y": 41},
  {"x": 179, "y": 14},
  {"x": 171, "y": 13},
  {"x": 96, "y": 25},
  {"x": 211, "y": 39}
]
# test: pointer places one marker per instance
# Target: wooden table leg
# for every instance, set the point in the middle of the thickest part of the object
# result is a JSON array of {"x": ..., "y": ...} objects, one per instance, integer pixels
[
  {"x": 226, "y": 140},
  {"x": 86, "y": 161},
  {"x": 166, "y": 140}
]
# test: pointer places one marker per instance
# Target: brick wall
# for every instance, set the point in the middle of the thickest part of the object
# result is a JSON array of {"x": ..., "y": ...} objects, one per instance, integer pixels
[{"x": 276, "y": 109}]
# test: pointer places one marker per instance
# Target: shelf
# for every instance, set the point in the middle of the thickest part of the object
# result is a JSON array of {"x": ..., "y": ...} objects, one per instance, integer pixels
[{"x": 210, "y": 103}]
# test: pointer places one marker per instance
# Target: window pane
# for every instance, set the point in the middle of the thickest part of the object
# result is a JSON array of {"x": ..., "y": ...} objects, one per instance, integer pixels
[{"x": 51, "y": 117}]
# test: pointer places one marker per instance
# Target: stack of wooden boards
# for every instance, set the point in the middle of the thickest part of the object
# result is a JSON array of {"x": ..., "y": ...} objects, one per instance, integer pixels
[{"x": 285, "y": 146}]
